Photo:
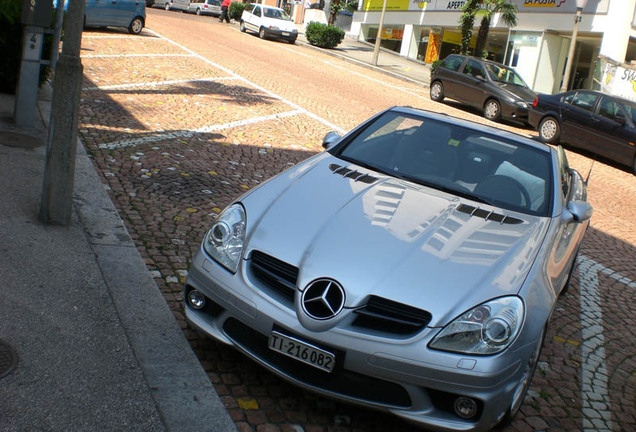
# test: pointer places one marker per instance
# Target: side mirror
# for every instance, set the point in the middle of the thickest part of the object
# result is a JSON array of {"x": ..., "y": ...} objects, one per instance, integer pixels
[
  {"x": 579, "y": 211},
  {"x": 330, "y": 140}
]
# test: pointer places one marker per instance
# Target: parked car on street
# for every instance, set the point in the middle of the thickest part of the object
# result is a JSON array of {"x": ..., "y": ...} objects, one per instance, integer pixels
[
  {"x": 205, "y": 7},
  {"x": 175, "y": 5},
  {"x": 600, "y": 123},
  {"x": 495, "y": 89},
  {"x": 412, "y": 267},
  {"x": 269, "y": 22},
  {"x": 130, "y": 14}
]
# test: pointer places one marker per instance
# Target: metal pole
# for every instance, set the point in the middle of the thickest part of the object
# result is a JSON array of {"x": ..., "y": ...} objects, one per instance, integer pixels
[
  {"x": 59, "y": 168},
  {"x": 570, "y": 60},
  {"x": 378, "y": 38},
  {"x": 57, "y": 33}
]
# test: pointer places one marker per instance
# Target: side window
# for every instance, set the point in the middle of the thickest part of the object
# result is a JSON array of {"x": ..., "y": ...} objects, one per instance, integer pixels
[
  {"x": 452, "y": 62},
  {"x": 257, "y": 11},
  {"x": 568, "y": 98},
  {"x": 608, "y": 108},
  {"x": 585, "y": 101},
  {"x": 474, "y": 69}
]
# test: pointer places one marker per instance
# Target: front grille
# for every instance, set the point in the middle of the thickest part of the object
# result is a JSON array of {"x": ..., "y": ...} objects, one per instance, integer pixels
[
  {"x": 391, "y": 317},
  {"x": 275, "y": 274},
  {"x": 340, "y": 381}
]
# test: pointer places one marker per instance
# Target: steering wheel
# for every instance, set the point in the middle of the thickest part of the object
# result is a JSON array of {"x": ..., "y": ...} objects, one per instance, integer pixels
[{"x": 504, "y": 189}]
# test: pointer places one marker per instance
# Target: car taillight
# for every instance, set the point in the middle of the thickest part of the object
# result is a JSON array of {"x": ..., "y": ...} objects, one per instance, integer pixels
[{"x": 536, "y": 102}]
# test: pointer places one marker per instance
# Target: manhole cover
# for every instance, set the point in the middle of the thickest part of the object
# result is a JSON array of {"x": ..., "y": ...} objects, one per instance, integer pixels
[
  {"x": 14, "y": 139},
  {"x": 8, "y": 359}
]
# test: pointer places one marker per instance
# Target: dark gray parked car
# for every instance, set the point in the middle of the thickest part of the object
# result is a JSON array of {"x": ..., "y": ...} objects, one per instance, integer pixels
[
  {"x": 591, "y": 120},
  {"x": 486, "y": 85},
  {"x": 412, "y": 267}
]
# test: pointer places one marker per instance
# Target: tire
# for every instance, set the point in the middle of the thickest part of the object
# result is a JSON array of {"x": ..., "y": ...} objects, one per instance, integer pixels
[
  {"x": 522, "y": 390},
  {"x": 167, "y": 6},
  {"x": 634, "y": 166},
  {"x": 492, "y": 110},
  {"x": 261, "y": 33},
  {"x": 566, "y": 287},
  {"x": 437, "y": 91},
  {"x": 549, "y": 130},
  {"x": 136, "y": 26},
  {"x": 198, "y": 12},
  {"x": 292, "y": 41},
  {"x": 242, "y": 27}
]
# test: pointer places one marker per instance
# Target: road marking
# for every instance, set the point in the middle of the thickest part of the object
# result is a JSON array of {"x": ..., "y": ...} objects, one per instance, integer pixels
[
  {"x": 594, "y": 377},
  {"x": 297, "y": 52},
  {"x": 85, "y": 36},
  {"x": 256, "y": 86},
  {"x": 190, "y": 133},
  {"x": 155, "y": 84},
  {"x": 133, "y": 55}
]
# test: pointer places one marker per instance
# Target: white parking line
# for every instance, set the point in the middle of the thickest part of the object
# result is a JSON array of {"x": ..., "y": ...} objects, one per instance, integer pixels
[
  {"x": 594, "y": 378},
  {"x": 86, "y": 36},
  {"x": 248, "y": 82},
  {"x": 155, "y": 84},
  {"x": 133, "y": 55},
  {"x": 190, "y": 133}
]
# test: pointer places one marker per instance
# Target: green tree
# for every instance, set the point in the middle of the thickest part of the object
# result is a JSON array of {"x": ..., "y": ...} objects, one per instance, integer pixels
[
  {"x": 487, "y": 10},
  {"x": 466, "y": 22}
]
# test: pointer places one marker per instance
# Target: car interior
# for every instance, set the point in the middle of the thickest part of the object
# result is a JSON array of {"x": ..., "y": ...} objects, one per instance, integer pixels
[{"x": 487, "y": 167}]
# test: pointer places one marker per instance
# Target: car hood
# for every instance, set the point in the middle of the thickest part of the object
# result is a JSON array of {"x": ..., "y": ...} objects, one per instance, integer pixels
[
  {"x": 522, "y": 93},
  {"x": 382, "y": 236}
]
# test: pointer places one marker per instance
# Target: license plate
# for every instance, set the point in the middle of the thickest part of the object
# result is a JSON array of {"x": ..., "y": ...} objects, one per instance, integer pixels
[
  {"x": 285, "y": 33},
  {"x": 302, "y": 351}
]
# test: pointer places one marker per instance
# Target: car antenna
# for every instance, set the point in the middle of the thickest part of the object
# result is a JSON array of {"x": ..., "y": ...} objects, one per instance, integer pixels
[{"x": 589, "y": 173}]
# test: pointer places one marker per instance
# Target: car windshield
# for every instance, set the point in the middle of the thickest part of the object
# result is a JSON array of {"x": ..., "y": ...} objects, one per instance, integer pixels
[
  {"x": 276, "y": 14},
  {"x": 461, "y": 160},
  {"x": 500, "y": 73}
]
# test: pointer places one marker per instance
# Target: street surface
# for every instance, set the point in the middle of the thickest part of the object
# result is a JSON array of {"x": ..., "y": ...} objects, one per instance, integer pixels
[{"x": 183, "y": 119}]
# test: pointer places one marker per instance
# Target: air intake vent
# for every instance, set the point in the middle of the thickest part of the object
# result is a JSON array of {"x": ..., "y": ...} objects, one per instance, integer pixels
[
  {"x": 274, "y": 274},
  {"x": 391, "y": 317},
  {"x": 352, "y": 174},
  {"x": 488, "y": 215}
]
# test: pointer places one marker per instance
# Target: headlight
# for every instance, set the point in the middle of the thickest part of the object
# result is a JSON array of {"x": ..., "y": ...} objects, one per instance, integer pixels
[
  {"x": 225, "y": 240},
  {"x": 486, "y": 329},
  {"x": 522, "y": 104}
]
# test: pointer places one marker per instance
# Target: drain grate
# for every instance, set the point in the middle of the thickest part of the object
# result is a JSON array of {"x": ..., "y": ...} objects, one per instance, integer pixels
[{"x": 8, "y": 359}]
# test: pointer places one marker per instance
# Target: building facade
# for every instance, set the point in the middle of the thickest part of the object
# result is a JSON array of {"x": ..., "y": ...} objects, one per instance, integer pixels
[{"x": 537, "y": 47}]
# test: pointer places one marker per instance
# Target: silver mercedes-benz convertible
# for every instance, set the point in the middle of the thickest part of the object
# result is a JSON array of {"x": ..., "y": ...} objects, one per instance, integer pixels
[{"x": 412, "y": 267}]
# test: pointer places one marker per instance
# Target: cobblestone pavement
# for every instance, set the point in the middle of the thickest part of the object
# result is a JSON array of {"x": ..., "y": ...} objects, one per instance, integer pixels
[{"x": 186, "y": 117}]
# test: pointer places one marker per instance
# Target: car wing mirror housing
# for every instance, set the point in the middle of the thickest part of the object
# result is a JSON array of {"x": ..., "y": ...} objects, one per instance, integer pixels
[
  {"x": 330, "y": 140},
  {"x": 579, "y": 211}
]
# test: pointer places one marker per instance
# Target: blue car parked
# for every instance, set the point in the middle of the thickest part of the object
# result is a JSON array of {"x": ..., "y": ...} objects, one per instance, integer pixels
[{"x": 130, "y": 14}]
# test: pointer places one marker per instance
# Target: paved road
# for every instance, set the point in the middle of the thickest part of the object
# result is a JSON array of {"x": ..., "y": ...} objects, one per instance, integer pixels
[{"x": 186, "y": 117}]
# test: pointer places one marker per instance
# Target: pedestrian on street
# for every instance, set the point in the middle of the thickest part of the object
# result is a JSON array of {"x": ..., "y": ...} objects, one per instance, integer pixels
[{"x": 225, "y": 7}]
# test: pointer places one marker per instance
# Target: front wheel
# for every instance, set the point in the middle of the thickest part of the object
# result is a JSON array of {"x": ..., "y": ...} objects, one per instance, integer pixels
[
  {"x": 261, "y": 33},
  {"x": 549, "y": 130},
  {"x": 167, "y": 6},
  {"x": 437, "y": 91},
  {"x": 242, "y": 27},
  {"x": 292, "y": 41},
  {"x": 198, "y": 11},
  {"x": 492, "y": 110},
  {"x": 136, "y": 26}
]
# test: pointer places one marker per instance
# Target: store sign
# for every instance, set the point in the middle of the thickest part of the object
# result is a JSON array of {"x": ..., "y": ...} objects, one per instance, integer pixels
[
  {"x": 619, "y": 81},
  {"x": 396, "y": 5},
  {"x": 551, "y": 6},
  {"x": 529, "y": 6}
]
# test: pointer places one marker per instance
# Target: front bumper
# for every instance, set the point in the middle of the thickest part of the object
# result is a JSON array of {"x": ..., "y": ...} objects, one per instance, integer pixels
[
  {"x": 398, "y": 375},
  {"x": 281, "y": 34},
  {"x": 515, "y": 112}
]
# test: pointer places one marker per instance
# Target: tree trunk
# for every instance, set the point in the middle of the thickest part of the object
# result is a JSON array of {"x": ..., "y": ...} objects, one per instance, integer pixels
[{"x": 482, "y": 37}]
